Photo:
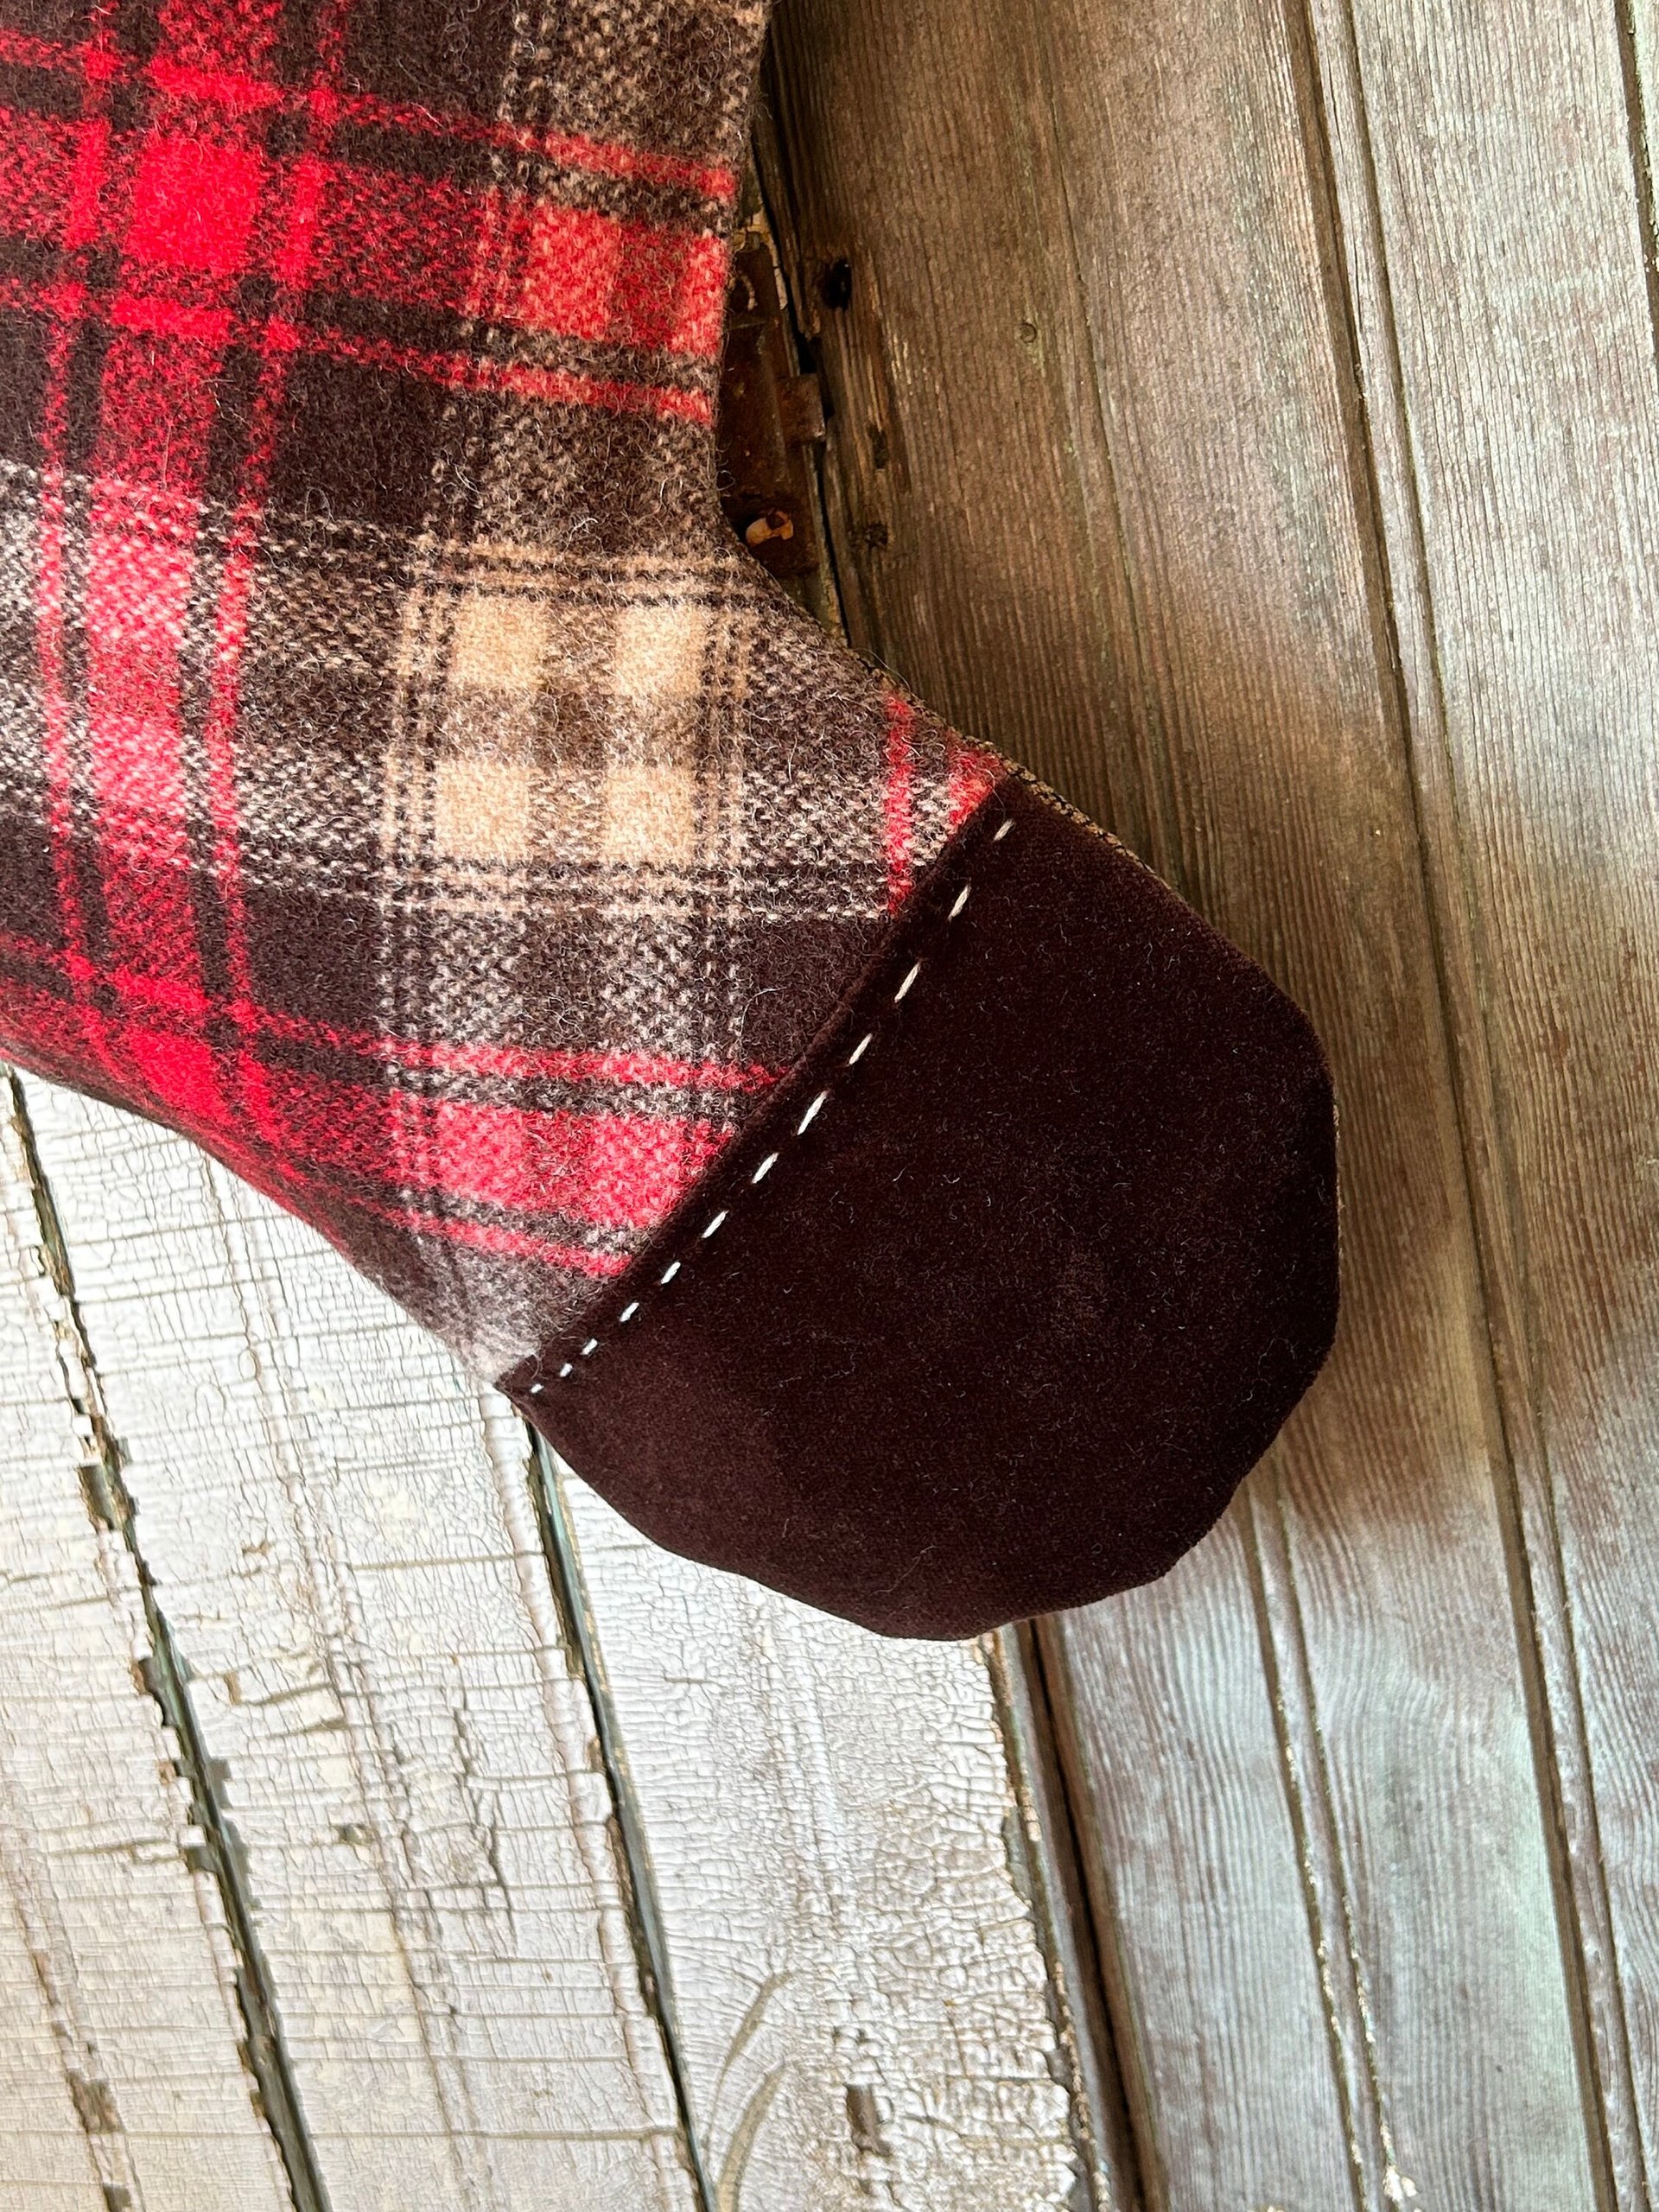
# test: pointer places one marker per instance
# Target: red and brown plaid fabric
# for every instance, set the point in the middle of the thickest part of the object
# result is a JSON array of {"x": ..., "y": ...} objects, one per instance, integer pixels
[{"x": 407, "y": 789}]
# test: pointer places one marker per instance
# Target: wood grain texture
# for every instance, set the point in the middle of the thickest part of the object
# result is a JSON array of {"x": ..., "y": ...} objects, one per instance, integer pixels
[
  {"x": 346, "y": 1542},
  {"x": 1174, "y": 327},
  {"x": 343, "y": 1540},
  {"x": 857, "y": 1978},
  {"x": 122, "y": 2079},
  {"x": 1248, "y": 416},
  {"x": 1501, "y": 251},
  {"x": 1216, "y": 1990},
  {"x": 1055, "y": 1876}
]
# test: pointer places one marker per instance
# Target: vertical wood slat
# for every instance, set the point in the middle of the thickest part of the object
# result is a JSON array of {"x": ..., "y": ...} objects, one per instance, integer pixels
[
  {"x": 1086, "y": 238},
  {"x": 968, "y": 585},
  {"x": 859, "y": 1989},
  {"x": 350, "y": 1566},
  {"x": 1517, "y": 423},
  {"x": 47, "y": 2049},
  {"x": 344, "y": 1544},
  {"x": 122, "y": 2076},
  {"x": 1054, "y": 1875},
  {"x": 1380, "y": 1576}
]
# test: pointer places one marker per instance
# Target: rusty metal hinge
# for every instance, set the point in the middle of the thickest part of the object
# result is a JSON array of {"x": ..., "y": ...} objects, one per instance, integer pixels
[{"x": 770, "y": 420}]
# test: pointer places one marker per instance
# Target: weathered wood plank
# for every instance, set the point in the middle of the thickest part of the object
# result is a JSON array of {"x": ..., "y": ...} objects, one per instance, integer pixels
[
  {"x": 46, "y": 2155},
  {"x": 344, "y": 1543},
  {"x": 46, "y": 2158},
  {"x": 1500, "y": 239},
  {"x": 121, "y": 2083},
  {"x": 1192, "y": 1852},
  {"x": 1057, "y": 1881},
  {"x": 348, "y": 1556},
  {"x": 1076, "y": 241},
  {"x": 858, "y": 1981},
  {"x": 46, "y": 2162}
]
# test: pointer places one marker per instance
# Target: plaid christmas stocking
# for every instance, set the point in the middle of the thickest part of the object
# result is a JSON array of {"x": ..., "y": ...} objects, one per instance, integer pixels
[{"x": 864, "y": 1170}]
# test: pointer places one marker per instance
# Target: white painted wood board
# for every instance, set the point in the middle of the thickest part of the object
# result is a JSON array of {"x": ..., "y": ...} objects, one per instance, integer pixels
[
  {"x": 862, "y": 2000},
  {"x": 342, "y": 1533},
  {"x": 122, "y": 2084},
  {"x": 347, "y": 1555}
]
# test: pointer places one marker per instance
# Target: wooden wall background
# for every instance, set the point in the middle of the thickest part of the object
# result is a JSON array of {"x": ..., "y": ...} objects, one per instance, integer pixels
[{"x": 1247, "y": 411}]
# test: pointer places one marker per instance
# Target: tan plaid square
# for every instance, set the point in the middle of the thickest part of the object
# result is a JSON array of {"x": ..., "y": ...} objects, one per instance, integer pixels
[
  {"x": 499, "y": 642},
  {"x": 660, "y": 650},
  {"x": 650, "y": 816},
  {"x": 482, "y": 806}
]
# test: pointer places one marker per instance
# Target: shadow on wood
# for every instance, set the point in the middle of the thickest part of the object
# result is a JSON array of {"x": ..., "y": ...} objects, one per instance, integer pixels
[{"x": 1143, "y": 465}]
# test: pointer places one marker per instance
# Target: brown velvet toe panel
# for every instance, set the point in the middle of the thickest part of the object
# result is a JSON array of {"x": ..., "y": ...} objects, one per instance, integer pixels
[{"x": 1002, "y": 1327}]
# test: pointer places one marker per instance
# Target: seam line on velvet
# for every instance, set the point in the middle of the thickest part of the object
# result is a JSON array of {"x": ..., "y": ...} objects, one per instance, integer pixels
[{"x": 540, "y": 1386}]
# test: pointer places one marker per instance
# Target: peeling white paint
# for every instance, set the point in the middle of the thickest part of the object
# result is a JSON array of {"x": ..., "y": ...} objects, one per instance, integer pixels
[
  {"x": 121, "y": 2081},
  {"x": 357, "y": 1587},
  {"x": 860, "y": 1988},
  {"x": 345, "y": 1546}
]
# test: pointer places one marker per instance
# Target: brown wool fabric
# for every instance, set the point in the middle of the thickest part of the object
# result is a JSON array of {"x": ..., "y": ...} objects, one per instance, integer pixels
[
  {"x": 1025, "y": 1284},
  {"x": 410, "y": 790}
]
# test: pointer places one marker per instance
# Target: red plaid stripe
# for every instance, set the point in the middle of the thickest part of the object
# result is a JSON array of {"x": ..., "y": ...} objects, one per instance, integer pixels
[
  {"x": 622, "y": 1170},
  {"x": 175, "y": 202},
  {"x": 196, "y": 207},
  {"x": 463, "y": 891},
  {"x": 224, "y": 88},
  {"x": 899, "y": 813},
  {"x": 351, "y": 1141},
  {"x": 217, "y": 328},
  {"x": 168, "y": 1005}
]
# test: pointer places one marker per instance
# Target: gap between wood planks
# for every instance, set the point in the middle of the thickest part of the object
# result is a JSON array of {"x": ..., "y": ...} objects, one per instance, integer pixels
[
  {"x": 1526, "y": 1555},
  {"x": 166, "y": 1678},
  {"x": 632, "y": 1851},
  {"x": 1366, "y": 345}
]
